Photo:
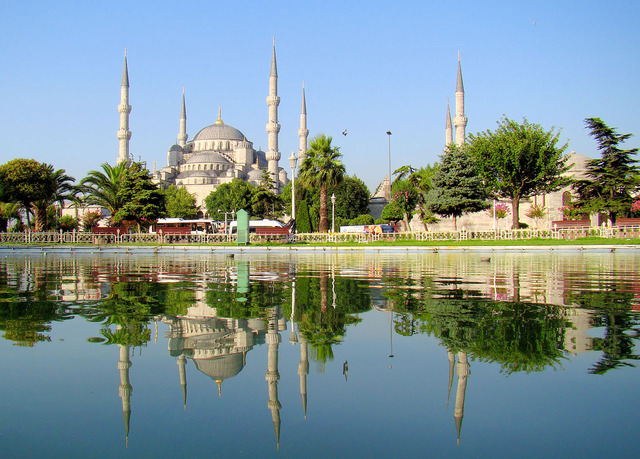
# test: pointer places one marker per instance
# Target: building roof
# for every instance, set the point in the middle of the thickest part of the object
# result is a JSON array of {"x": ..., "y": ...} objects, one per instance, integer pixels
[
  {"x": 208, "y": 157},
  {"x": 219, "y": 132}
]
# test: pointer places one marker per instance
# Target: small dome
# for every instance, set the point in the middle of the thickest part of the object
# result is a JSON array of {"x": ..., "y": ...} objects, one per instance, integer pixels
[
  {"x": 255, "y": 175},
  {"x": 219, "y": 132},
  {"x": 176, "y": 147},
  {"x": 208, "y": 157},
  {"x": 192, "y": 174}
]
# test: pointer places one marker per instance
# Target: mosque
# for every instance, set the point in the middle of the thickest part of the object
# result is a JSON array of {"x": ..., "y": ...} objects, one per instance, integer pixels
[{"x": 218, "y": 153}]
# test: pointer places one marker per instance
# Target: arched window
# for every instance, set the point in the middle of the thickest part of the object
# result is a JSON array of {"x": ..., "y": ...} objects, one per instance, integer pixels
[{"x": 566, "y": 198}]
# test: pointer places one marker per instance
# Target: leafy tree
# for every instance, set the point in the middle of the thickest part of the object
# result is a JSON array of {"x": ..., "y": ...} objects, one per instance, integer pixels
[
  {"x": 143, "y": 201},
  {"x": 457, "y": 187},
  {"x": 519, "y": 161},
  {"x": 392, "y": 212},
  {"x": 322, "y": 169},
  {"x": 101, "y": 187},
  {"x": 180, "y": 203},
  {"x": 90, "y": 219},
  {"x": 34, "y": 185},
  {"x": 612, "y": 181},
  {"x": 352, "y": 198},
  {"x": 422, "y": 181},
  {"x": 405, "y": 197},
  {"x": 228, "y": 197},
  {"x": 68, "y": 223}
]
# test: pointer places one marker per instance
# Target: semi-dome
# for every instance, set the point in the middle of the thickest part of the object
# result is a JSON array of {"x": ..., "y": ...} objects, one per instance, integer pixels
[
  {"x": 219, "y": 132},
  {"x": 208, "y": 157},
  {"x": 219, "y": 368}
]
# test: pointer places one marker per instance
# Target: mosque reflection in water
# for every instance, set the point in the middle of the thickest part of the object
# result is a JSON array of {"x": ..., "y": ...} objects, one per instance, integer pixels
[{"x": 525, "y": 314}]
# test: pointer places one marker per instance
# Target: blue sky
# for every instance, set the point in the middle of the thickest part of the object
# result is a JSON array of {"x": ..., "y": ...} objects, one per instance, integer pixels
[{"x": 369, "y": 67}]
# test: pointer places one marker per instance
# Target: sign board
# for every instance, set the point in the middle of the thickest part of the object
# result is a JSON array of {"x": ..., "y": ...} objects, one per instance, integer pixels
[{"x": 242, "y": 217}]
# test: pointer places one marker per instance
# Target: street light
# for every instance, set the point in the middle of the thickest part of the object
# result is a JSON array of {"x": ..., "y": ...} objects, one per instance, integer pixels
[
  {"x": 232, "y": 213},
  {"x": 333, "y": 212},
  {"x": 293, "y": 162},
  {"x": 389, "y": 135}
]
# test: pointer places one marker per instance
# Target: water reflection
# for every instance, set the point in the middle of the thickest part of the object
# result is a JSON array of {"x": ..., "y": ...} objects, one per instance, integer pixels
[{"x": 525, "y": 313}]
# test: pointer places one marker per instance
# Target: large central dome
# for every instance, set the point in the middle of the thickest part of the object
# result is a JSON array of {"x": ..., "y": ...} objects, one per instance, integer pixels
[{"x": 219, "y": 132}]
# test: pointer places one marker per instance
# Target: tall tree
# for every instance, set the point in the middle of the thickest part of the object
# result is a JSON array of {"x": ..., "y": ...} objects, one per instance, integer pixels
[
  {"x": 143, "y": 202},
  {"x": 519, "y": 160},
  {"x": 421, "y": 181},
  {"x": 322, "y": 169},
  {"x": 101, "y": 187},
  {"x": 180, "y": 203},
  {"x": 612, "y": 179},
  {"x": 457, "y": 187}
]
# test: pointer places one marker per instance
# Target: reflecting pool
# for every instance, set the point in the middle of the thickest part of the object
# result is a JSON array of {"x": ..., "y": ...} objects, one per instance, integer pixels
[{"x": 364, "y": 354}]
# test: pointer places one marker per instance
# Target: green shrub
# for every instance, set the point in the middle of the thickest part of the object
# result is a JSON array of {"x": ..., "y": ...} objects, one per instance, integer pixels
[{"x": 67, "y": 223}]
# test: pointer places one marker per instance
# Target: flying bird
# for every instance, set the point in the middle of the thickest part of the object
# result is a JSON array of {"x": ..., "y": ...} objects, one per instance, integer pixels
[{"x": 344, "y": 132}]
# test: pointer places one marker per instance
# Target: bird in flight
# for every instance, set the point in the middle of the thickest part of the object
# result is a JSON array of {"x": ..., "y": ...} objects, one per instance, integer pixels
[{"x": 344, "y": 132}]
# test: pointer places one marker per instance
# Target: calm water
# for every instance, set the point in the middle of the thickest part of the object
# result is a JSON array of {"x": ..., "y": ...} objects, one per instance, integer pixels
[{"x": 324, "y": 355}]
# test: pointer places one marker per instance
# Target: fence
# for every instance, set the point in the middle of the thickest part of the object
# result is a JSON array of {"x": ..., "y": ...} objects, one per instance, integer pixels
[{"x": 31, "y": 237}]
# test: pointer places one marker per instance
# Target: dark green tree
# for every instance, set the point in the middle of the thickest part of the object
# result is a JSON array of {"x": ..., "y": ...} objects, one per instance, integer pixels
[
  {"x": 352, "y": 198},
  {"x": 457, "y": 187},
  {"x": 62, "y": 189},
  {"x": 303, "y": 220},
  {"x": 322, "y": 169},
  {"x": 519, "y": 161},
  {"x": 8, "y": 211},
  {"x": 612, "y": 183},
  {"x": 228, "y": 197},
  {"x": 180, "y": 203},
  {"x": 264, "y": 202},
  {"x": 143, "y": 201}
]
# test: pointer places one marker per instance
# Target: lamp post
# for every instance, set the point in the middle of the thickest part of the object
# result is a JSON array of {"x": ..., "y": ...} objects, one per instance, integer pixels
[
  {"x": 333, "y": 212},
  {"x": 389, "y": 135},
  {"x": 293, "y": 162},
  {"x": 232, "y": 213}
]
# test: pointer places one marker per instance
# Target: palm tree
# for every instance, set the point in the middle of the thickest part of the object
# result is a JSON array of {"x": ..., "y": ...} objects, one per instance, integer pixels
[
  {"x": 60, "y": 188},
  {"x": 322, "y": 168},
  {"x": 8, "y": 210},
  {"x": 101, "y": 187}
]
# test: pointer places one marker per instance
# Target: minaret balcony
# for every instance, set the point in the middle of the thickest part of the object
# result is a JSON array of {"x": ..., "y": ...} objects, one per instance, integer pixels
[{"x": 273, "y": 100}]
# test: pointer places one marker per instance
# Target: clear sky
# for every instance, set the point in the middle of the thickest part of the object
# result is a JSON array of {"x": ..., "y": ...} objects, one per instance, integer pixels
[{"x": 369, "y": 67}]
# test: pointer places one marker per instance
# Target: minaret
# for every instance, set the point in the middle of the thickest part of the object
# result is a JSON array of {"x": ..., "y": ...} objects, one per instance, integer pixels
[
  {"x": 460, "y": 121},
  {"x": 124, "y": 134},
  {"x": 303, "y": 371},
  {"x": 182, "y": 136},
  {"x": 273, "y": 155},
  {"x": 452, "y": 363},
  {"x": 449, "y": 128},
  {"x": 462, "y": 369},
  {"x": 125, "y": 388},
  {"x": 303, "y": 132},
  {"x": 182, "y": 361},
  {"x": 272, "y": 377}
]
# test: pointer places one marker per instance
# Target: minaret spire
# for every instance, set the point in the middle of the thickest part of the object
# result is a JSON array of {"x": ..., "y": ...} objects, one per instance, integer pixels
[
  {"x": 449, "y": 127},
  {"x": 303, "y": 132},
  {"x": 462, "y": 369},
  {"x": 124, "y": 134},
  {"x": 460, "y": 121},
  {"x": 273, "y": 127},
  {"x": 273, "y": 340},
  {"x": 182, "y": 136}
]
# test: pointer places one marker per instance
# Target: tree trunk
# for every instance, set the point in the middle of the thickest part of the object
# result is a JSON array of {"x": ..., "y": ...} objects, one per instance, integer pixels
[
  {"x": 406, "y": 221},
  {"x": 40, "y": 218},
  {"x": 515, "y": 212},
  {"x": 455, "y": 223},
  {"x": 323, "y": 225},
  {"x": 324, "y": 278}
]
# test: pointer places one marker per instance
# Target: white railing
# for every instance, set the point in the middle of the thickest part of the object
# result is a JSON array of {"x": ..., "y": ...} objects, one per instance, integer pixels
[{"x": 76, "y": 237}]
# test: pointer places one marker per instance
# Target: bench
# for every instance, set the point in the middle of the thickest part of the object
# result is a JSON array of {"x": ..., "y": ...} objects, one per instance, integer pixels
[
  {"x": 174, "y": 231},
  {"x": 274, "y": 231},
  {"x": 627, "y": 223},
  {"x": 571, "y": 224},
  {"x": 115, "y": 230}
]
